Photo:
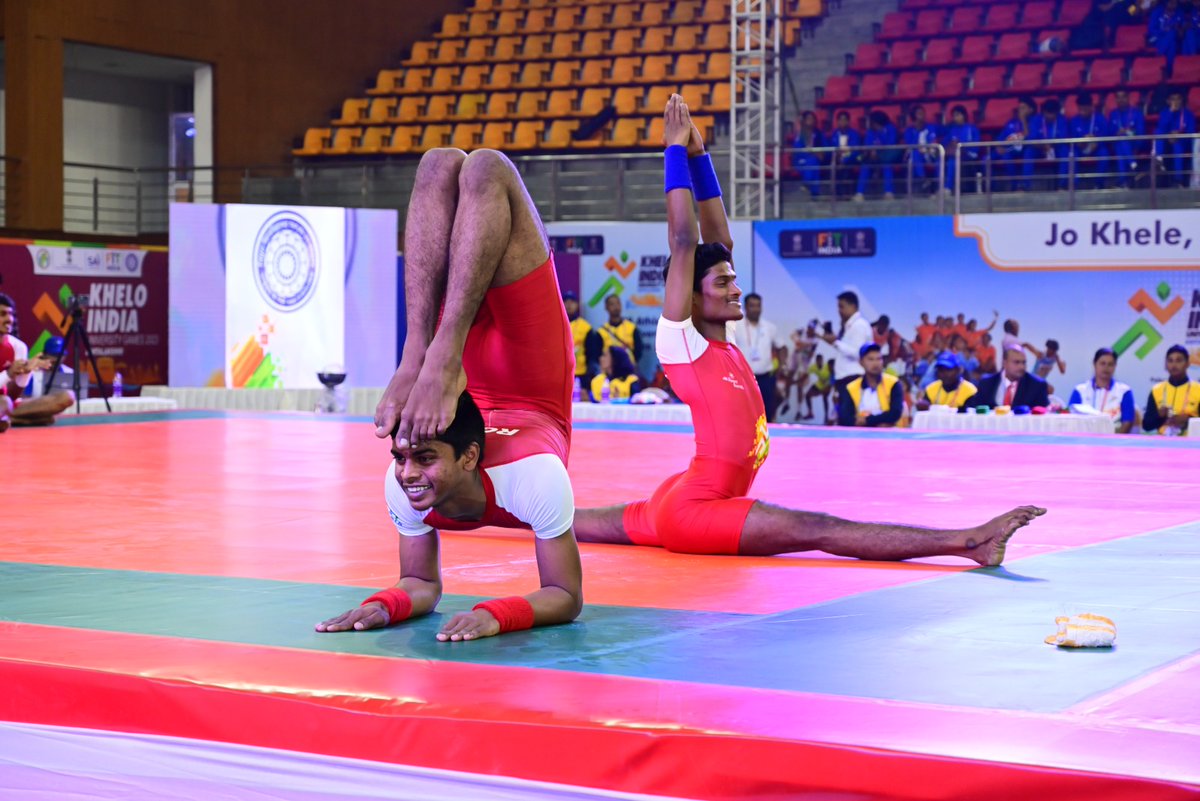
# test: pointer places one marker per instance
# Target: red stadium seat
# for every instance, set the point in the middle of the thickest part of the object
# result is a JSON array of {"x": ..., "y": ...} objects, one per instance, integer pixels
[
  {"x": 1130, "y": 39},
  {"x": 966, "y": 19},
  {"x": 998, "y": 112},
  {"x": 1001, "y": 17},
  {"x": 1193, "y": 98},
  {"x": 1037, "y": 15},
  {"x": 1106, "y": 73},
  {"x": 976, "y": 50},
  {"x": 839, "y": 90},
  {"x": 895, "y": 25},
  {"x": 875, "y": 87},
  {"x": 869, "y": 56},
  {"x": 1012, "y": 47},
  {"x": 940, "y": 52},
  {"x": 988, "y": 80},
  {"x": 1073, "y": 12},
  {"x": 1066, "y": 76},
  {"x": 904, "y": 54},
  {"x": 949, "y": 83},
  {"x": 911, "y": 85},
  {"x": 1187, "y": 70},
  {"x": 1146, "y": 71},
  {"x": 930, "y": 22},
  {"x": 1028, "y": 77}
]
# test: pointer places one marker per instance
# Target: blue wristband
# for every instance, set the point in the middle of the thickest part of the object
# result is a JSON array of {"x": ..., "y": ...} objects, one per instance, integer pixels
[
  {"x": 704, "y": 177},
  {"x": 675, "y": 168}
]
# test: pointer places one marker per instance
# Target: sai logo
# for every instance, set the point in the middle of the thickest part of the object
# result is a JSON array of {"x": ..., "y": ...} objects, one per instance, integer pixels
[
  {"x": 286, "y": 261},
  {"x": 1142, "y": 302},
  {"x": 43, "y": 259},
  {"x": 623, "y": 267}
]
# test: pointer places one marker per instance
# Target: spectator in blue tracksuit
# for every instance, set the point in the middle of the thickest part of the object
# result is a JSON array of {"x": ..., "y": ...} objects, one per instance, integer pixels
[
  {"x": 1190, "y": 31},
  {"x": 880, "y": 133},
  {"x": 958, "y": 135},
  {"x": 1091, "y": 158},
  {"x": 1054, "y": 126},
  {"x": 1017, "y": 131},
  {"x": 844, "y": 137},
  {"x": 1165, "y": 30},
  {"x": 921, "y": 134},
  {"x": 808, "y": 165},
  {"x": 1175, "y": 154},
  {"x": 1126, "y": 120}
]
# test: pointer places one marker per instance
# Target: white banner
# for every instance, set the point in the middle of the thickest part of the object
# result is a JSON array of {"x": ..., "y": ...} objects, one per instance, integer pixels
[
  {"x": 284, "y": 295},
  {"x": 91, "y": 262},
  {"x": 626, "y": 259},
  {"x": 1086, "y": 240}
]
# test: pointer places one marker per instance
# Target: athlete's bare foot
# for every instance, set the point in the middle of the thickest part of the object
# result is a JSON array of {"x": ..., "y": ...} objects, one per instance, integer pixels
[
  {"x": 434, "y": 399},
  {"x": 986, "y": 544},
  {"x": 387, "y": 412},
  {"x": 473, "y": 625}
]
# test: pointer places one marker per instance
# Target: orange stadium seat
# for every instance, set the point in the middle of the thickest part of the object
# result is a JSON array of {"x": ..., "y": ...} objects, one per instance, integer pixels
[
  {"x": 354, "y": 111},
  {"x": 467, "y": 135},
  {"x": 382, "y": 109},
  {"x": 654, "y": 13},
  {"x": 684, "y": 12},
  {"x": 531, "y": 47},
  {"x": 454, "y": 26},
  {"x": 716, "y": 37},
  {"x": 450, "y": 51},
  {"x": 655, "y": 69},
  {"x": 627, "y": 132},
  {"x": 695, "y": 95},
  {"x": 561, "y": 103},
  {"x": 373, "y": 140},
  {"x": 595, "y": 17},
  {"x": 717, "y": 67},
  {"x": 410, "y": 108},
  {"x": 721, "y": 97},
  {"x": 507, "y": 48},
  {"x": 344, "y": 141},
  {"x": 627, "y": 100},
  {"x": 531, "y": 104},
  {"x": 595, "y": 71},
  {"x": 714, "y": 11},
  {"x": 534, "y": 74},
  {"x": 689, "y": 66},
  {"x": 479, "y": 49},
  {"x": 440, "y": 108},
  {"x": 500, "y": 105},
  {"x": 405, "y": 139},
  {"x": 565, "y": 45},
  {"x": 537, "y": 20},
  {"x": 479, "y": 23},
  {"x": 444, "y": 79},
  {"x": 626, "y": 42},
  {"x": 652, "y": 134},
  {"x": 422, "y": 53},
  {"x": 564, "y": 73},
  {"x": 655, "y": 100},
  {"x": 592, "y": 101},
  {"x": 474, "y": 76},
  {"x": 497, "y": 135},
  {"x": 527, "y": 135},
  {"x": 386, "y": 82},
  {"x": 596, "y": 43},
  {"x": 509, "y": 23},
  {"x": 470, "y": 105},
  {"x": 566, "y": 18},
  {"x": 503, "y": 76},
  {"x": 316, "y": 140},
  {"x": 623, "y": 15},
  {"x": 558, "y": 135},
  {"x": 625, "y": 69},
  {"x": 435, "y": 136}
]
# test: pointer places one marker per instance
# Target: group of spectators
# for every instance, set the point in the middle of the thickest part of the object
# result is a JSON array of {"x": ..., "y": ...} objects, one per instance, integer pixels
[
  {"x": 606, "y": 358},
  {"x": 862, "y": 160}
]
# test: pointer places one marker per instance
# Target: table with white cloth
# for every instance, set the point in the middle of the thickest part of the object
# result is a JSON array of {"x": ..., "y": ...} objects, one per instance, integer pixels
[
  {"x": 1194, "y": 427},
  {"x": 1035, "y": 423},
  {"x": 631, "y": 413}
]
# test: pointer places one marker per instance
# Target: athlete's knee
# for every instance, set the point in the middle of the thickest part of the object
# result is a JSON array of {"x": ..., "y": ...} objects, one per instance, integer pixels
[
  {"x": 442, "y": 164},
  {"x": 485, "y": 169}
]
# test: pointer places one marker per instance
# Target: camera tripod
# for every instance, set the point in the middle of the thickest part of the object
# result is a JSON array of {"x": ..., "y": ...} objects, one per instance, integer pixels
[{"x": 76, "y": 338}]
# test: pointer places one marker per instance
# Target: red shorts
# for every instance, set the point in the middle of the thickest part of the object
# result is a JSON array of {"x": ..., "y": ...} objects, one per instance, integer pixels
[
  {"x": 701, "y": 510},
  {"x": 520, "y": 354}
]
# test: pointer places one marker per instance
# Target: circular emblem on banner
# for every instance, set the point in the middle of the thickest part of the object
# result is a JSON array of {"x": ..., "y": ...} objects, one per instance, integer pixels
[
  {"x": 286, "y": 261},
  {"x": 43, "y": 259},
  {"x": 131, "y": 263}
]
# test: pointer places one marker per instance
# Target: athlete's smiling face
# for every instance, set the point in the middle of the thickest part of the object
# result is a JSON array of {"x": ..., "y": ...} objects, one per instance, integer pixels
[
  {"x": 720, "y": 298},
  {"x": 430, "y": 474}
]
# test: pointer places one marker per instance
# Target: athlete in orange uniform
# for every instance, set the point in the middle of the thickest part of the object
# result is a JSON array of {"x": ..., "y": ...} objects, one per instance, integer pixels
[
  {"x": 484, "y": 309},
  {"x": 705, "y": 509}
]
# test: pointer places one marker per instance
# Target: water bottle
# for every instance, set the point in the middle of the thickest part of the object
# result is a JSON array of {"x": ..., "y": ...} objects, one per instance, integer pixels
[
  {"x": 118, "y": 386},
  {"x": 605, "y": 392},
  {"x": 577, "y": 391}
]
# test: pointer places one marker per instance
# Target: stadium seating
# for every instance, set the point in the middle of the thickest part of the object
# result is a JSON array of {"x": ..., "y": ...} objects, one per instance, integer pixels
[{"x": 524, "y": 74}]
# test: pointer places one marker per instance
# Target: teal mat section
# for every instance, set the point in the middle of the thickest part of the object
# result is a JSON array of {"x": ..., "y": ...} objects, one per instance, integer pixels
[{"x": 965, "y": 639}]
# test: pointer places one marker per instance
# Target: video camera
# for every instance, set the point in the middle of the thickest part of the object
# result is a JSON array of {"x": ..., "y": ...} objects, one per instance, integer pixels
[{"x": 77, "y": 303}]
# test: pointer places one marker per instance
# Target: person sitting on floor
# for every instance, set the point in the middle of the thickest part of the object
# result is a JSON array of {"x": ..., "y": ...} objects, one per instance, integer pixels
[
  {"x": 874, "y": 399},
  {"x": 17, "y": 371}
]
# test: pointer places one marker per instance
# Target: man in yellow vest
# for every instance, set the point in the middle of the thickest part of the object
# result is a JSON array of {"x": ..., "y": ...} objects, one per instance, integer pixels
[
  {"x": 1172, "y": 403},
  {"x": 950, "y": 389},
  {"x": 588, "y": 344},
  {"x": 621, "y": 331},
  {"x": 873, "y": 399}
]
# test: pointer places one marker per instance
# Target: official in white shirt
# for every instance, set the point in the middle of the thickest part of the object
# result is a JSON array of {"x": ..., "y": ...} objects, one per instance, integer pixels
[
  {"x": 759, "y": 342},
  {"x": 855, "y": 333}
]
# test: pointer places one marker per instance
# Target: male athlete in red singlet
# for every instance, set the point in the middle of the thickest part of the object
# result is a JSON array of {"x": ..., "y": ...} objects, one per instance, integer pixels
[
  {"x": 705, "y": 508},
  {"x": 485, "y": 310}
]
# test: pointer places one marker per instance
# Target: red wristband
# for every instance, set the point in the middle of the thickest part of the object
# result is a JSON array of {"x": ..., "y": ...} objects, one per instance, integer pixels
[
  {"x": 396, "y": 601},
  {"x": 514, "y": 613}
]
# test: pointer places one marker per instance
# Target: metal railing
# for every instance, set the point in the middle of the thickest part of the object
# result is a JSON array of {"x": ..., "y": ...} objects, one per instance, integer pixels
[
  {"x": 997, "y": 168},
  {"x": 836, "y": 173}
]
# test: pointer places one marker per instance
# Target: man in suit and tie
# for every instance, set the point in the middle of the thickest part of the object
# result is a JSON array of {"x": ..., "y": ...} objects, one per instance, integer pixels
[{"x": 1012, "y": 386}]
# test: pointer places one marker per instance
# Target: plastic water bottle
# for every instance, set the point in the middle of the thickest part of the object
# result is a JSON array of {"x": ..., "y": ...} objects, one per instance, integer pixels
[
  {"x": 577, "y": 391},
  {"x": 605, "y": 392},
  {"x": 118, "y": 386}
]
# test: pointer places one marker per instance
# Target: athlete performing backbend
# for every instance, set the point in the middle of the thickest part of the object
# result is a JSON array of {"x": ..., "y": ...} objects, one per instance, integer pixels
[
  {"x": 705, "y": 510},
  {"x": 495, "y": 455}
]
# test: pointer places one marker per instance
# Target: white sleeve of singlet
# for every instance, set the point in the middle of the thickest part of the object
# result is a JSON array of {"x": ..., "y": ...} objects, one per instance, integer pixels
[
  {"x": 408, "y": 520},
  {"x": 537, "y": 491},
  {"x": 20, "y": 353},
  {"x": 680, "y": 343}
]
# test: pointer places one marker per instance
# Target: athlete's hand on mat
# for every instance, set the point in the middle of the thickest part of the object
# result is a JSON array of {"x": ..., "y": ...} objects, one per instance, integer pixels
[
  {"x": 360, "y": 618},
  {"x": 677, "y": 122},
  {"x": 473, "y": 625},
  {"x": 696, "y": 143}
]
